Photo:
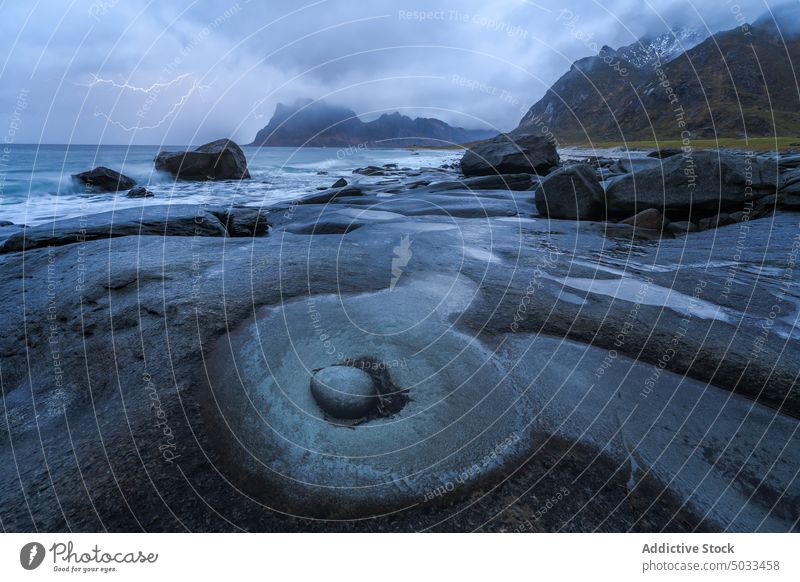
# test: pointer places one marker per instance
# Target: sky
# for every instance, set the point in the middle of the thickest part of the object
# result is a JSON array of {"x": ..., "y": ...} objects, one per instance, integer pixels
[{"x": 181, "y": 72}]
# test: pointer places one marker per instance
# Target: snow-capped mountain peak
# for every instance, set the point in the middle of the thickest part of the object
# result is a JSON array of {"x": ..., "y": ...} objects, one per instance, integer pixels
[{"x": 664, "y": 47}]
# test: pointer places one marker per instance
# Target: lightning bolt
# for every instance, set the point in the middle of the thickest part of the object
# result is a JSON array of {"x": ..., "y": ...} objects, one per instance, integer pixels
[
  {"x": 34, "y": 551},
  {"x": 155, "y": 88}
]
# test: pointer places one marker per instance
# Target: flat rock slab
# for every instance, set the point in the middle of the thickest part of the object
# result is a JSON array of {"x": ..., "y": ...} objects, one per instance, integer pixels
[{"x": 174, "y": 220}]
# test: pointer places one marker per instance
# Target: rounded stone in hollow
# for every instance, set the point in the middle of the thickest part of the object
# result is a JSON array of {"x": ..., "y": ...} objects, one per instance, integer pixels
[{"x": 344, "y": 391}]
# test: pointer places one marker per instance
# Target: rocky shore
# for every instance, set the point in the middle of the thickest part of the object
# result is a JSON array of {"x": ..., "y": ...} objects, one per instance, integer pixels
[{"x": 530, "y": 355}]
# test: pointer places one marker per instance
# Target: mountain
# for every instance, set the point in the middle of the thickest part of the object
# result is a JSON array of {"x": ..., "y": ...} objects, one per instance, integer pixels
[
  {"x": 664, "y": 47},
  {"x": 316, "y": 123},
  {"x": 735, "y": 83}
]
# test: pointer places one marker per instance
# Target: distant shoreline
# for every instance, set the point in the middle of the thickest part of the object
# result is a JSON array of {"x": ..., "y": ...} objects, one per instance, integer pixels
[{"x": 759, "y": 144}]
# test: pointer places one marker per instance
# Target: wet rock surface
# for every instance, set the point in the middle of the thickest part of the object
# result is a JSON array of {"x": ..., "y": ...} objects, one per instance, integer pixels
[
  {"x": 702, "y": 182},
  {"x": 222, "y": 159},
  {"x": 634, "y": 383},
  {"x": 139, "y": 192},
  {"x": 510, "y": 154},
  {"x": 158, "y": 220},
  {"x": 572, "y": 192},
  {"x": 103, "y": 179}
]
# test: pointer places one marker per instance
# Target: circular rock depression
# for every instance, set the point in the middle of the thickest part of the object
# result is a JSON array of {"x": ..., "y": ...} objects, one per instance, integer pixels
[{"x": 461, "y": 419}]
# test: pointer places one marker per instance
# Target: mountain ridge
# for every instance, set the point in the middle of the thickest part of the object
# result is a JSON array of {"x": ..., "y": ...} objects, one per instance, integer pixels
[
  {"x": 319, "y": 124},
  {"x": 735, "y": 83}
]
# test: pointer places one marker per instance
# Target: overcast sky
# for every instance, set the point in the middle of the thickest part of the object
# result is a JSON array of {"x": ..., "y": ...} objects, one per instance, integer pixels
[{"x": 117, "y": 71}]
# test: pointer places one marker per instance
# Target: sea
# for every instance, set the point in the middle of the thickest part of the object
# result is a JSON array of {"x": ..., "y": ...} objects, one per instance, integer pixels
[{"x": 37, "y": 184}]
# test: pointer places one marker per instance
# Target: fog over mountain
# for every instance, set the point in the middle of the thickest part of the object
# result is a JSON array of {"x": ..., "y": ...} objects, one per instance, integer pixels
[{"x": 187, "y": 72}]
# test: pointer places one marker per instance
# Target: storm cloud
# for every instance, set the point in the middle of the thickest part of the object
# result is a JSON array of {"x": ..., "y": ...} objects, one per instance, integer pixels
[{"x": 110, "y": 71}]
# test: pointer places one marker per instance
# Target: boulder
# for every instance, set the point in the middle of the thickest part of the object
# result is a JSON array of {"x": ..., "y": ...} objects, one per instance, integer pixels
[
  {"x": 702, "y": 182},
  {"x": 510, "y": 154},
  {"x": 664, "y": 153},
  {"x": 651, "y": 219},
  {"x": 139, "y": 192},
  {"x": 721, "y": 219},
  {"x": 340, "y": 183},
  {"x": 572, "y": 192},
  {"x": 222, "y": 159},
  {"x": 103, "y": 179},
  {"x": 681, "y": 227}
]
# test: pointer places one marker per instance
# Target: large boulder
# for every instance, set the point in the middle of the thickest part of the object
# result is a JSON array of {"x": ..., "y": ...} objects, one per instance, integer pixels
[
  {"x": 702, "y": 182},
  {"x": 572, "y": 192},
  {"x": 219, "y": 160},
  {"x": 103, "y": 179},
  {"x": 510, "y": 154}
]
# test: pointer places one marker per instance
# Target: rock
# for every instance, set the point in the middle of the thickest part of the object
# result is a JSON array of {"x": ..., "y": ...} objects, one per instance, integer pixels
[
  {"x": 599, "y": 161},
  {"x": 497, "y": 182},
  {"x": 636, "y": 164},
  {"x": 793, "y": 188},
  {"x": 681, "y": 227},
  {"x": 664, "y": 153},
  {"x": 139, "y": 192},
  {"x": 766, "y": 204},
  {"x": 340, "y": 183},
  {"x": 651, "y": 219},
  {"x": 619, "y": 231},
  {"x": 702, "y": 182},
  {"x": 6, "y": 223},
  {"x": 617, "y": 169},
  {"x": 791, "y": 176},
  {"x": 572, "y": 192},
  {"x": 242, "y": 220},
  {"x": 721, "y": 219},
  {"x": 103, "y": 179},
  {"x": 7, "y": 231},
  {"x": 173, "y": 220},
  {"x": 790, "y": 202},
  {"x": 330, "y": 224},
  {"x": 330, "y": 194},
  {"x": 789, "y": 161},
  {"x": 370, "y": 171},
  {"x": 222, "y": 159},
  {"x": 510, "y": 154},
  {"x": 344, "y": 392}
]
